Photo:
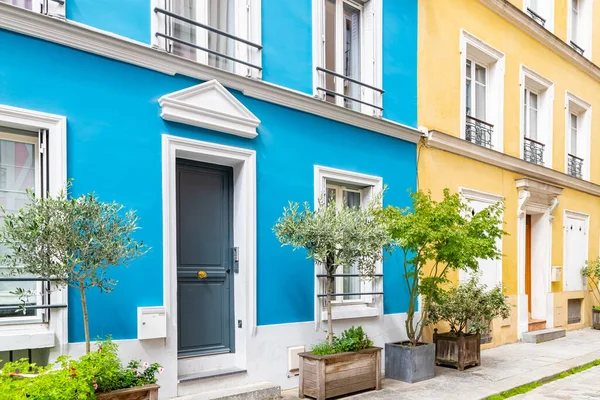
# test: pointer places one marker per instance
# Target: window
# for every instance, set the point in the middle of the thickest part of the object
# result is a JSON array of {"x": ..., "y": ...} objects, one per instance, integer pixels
[
  {"x": 580, "y": 26},
  {"x": 221, "y": 33},
  {"x": 577, "y": 137},
  {"x": 536, "y": 118},
  {"x": 347, "y": 64},
  {"x": 482, "y": 93},
  {"x": 348, "y": 189},
  {"x": 541, "y": 11},
  {"x": 48, "y": 7}
]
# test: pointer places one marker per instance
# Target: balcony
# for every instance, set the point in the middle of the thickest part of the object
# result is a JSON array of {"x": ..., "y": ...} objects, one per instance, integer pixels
[
  {"x": 533, "y": 151},
  {"x": 348, "y": 100},
  {"x": 479, "y": 132},
  {"x": 575, "y": 166}
]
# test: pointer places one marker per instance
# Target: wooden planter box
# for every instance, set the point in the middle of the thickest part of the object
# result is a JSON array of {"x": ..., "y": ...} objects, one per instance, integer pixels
[
  {"x": 146, "y": 392},
  {"x": 595, "y": 318},
  {"x": 324, "y": 377},
  {"x": 457, "y": 351}
]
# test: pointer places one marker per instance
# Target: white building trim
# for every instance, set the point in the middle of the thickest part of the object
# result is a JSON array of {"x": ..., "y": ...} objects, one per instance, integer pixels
[
  {"x": 95, "y": 41},
  {"x": 575, "y": 104},
  {"x": 456, "y": 145},
  {"x": 372, "y": 185},
  {"x": 56, "y": 331},
  {"x": 209, "y": 105},
  {"x": 243, "y": 162},
  {"x": 521, "y": 20}
]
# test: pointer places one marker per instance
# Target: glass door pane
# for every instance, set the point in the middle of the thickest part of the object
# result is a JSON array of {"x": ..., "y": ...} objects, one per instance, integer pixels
[
  {"x": 352, "y": 54},
  {"x": 330, "y": 48}
]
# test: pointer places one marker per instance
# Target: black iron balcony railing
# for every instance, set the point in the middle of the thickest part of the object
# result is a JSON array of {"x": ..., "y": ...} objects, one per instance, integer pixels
[
  {"x": 352, "y": 80},
  {"x": 45, "y": 303},
  {"x": 169, "y": 16},
  {"x": 533, "y": 151},
  {"x": 536, "y": 17},
  {"x": 575, "y": 166},
  {"x": 578, "y": 49},
  {"x": 479, "y": 132}
]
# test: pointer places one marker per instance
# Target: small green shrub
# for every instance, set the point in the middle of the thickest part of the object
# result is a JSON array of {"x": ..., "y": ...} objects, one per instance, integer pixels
[
  {"x": 67, "y": 379},
  {"x": 352, "y": 339}
]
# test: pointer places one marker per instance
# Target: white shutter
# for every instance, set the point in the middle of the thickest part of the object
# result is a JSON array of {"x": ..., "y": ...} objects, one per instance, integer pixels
[
  {"x": 44, "y": 163},
  {"x": 575, "y": 252},
  {"x": 368, "y": 46}
]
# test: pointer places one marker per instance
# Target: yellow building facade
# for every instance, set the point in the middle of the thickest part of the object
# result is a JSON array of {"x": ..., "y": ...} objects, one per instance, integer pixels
[{"x": 507, "y": 93}]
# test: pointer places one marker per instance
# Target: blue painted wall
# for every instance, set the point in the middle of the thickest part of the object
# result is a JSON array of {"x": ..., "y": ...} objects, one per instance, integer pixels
[{"x": 114, "y": 148}]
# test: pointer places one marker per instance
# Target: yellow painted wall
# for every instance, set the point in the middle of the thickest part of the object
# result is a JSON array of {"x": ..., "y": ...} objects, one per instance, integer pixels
[{"x": 440, "y": 23}]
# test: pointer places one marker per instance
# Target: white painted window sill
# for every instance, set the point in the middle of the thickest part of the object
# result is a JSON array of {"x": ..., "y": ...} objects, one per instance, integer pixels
[
  {"x": 25, "y": 337},
  {"x": 351, "y": 312}
]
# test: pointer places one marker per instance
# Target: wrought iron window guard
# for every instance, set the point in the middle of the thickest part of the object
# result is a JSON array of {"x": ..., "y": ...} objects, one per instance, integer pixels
[
  {"x": 479, "y": 132},
  {"x": 334, "y": 93},
  {"x": 349, "y": 294},
  {"x": 575, "y": 166},
  {"x": 46, "y": 305},
  {"x": 533, "y": 151},
  {"x": 536, "y": 17},
  {"x": 578, "y": 49},
  {"x": 208, "y": 28}
]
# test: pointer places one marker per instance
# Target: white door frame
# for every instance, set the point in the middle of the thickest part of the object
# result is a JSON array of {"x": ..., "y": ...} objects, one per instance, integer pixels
[
  {"x": 243, "y": 162},
  {"x": 535, "y": 198}
]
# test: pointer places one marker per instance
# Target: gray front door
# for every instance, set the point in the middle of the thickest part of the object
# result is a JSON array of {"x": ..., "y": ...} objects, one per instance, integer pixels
[{"x": 205, "y": 314}]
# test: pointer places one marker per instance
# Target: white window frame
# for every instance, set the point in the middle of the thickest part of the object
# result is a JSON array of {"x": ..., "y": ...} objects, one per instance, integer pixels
[
  {"x": 369, "y": 306},
  {"x": 544, "y": 88},
  {"x": 545, "y": 9},
  {"x": 47, "y": 7},
  {"x": 584, "y": 26},
  {"x": 247, "y": 25},
  {"x": 489, "y": 199},
  {"x": 576, "y": 105},
  {"x": 54, "y": 333},
  {"x": 371, "y": 26},
  {"x": 482, "y": 53}
]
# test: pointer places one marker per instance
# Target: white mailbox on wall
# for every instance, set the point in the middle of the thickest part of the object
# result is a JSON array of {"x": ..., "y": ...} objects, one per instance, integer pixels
[
  {"x": 556, "y": 273},
  {"x": 152, "y": 323}
]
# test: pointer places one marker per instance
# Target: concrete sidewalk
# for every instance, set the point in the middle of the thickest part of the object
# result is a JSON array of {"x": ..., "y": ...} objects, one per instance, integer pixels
[
  {"x": 581, "y": 386},
  {"x": 502, "y": 368}
]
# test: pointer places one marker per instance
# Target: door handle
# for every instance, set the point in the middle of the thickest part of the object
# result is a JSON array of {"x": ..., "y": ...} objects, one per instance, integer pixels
[{"x": 202, "y": 274}]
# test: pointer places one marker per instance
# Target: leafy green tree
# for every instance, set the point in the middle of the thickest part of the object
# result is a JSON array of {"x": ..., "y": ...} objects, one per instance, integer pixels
[
  {"x": 469, "y": 307},
  {"x": 335, "y": 237},
  {"x": 74, "y": 241},
  {"x": 591, "y": 270},
  {"x": 436, "y": 238}
]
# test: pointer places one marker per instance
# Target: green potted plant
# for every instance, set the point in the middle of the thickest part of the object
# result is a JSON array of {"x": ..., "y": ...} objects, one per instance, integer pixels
[
  {"x": 591, "y": 271},
  {"x": 71, "y": 241},
  {"x": 468, "y": 309},
  {"x": 434, "y": 238},
  {"x": 336, "y": 237}
]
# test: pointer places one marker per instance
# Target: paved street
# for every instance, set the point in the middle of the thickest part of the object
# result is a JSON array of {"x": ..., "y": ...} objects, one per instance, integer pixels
[
  {"x": 502, "y": 368},
  {"x": 583, "y": 385}
]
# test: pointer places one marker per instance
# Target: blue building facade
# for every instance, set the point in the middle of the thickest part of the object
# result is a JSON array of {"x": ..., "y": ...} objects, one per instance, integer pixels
[{"x": 125, "y": 99}]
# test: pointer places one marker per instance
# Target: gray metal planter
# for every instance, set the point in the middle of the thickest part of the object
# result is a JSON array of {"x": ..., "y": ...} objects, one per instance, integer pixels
[{"x": 409, "y": 363}]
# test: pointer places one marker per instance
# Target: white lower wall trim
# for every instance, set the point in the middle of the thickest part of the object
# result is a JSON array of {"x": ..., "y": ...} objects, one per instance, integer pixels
[{"x": 82, "y": 37}]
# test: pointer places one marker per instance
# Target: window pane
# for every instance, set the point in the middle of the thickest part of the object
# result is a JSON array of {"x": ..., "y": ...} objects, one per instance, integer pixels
[
  {"x": 534, "y": 100},
  {"x": 468, "y": 96},
  {"x": 480, "y": 74},
  {"x": 351, "y": 283},
  {"x": 533, "y": 123},
  {"x": 468, "y": 68},
  {"x": 352, "y": 199},
  {"x": 480, "y": 94},
  {"x": 220, "y": 16},
  {"x": 17, "y": 174},
  {"x": 330, "y": 47},
  {"x": 331, "y": 194},
  {"x": 27, "y": 4},
  {"x": 574, "y": 21},
  {"x": 351, "y": 54},
  {"x": 182, "y": 30},
  {"x": 574, "y": 121},
  {"x": 525, "y": 113}
]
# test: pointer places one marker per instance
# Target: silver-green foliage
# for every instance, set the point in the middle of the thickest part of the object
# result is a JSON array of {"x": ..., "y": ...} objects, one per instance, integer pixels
[
  {"x": 469, "y": 307},
  {"x": 335, "y": 237},
  {"x": 74, "y": 241},
  {"x": 591, "y": 270}
]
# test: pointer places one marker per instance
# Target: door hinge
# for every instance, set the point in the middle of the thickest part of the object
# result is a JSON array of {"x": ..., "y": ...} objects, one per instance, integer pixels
[
  {"x": 239, "y": 323},
  {"x": 236, "y": 259}
]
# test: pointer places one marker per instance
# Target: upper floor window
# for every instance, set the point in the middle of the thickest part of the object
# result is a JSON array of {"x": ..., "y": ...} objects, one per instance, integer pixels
[
  {"x": 48, "y": 7},
  {"x": 580, "y": 26},
  {"x": 577, "y": 137},
  {"x": 221, "y": 33},
  {"x": 347, "y": 40},
  {"x": 482, "y": 93},
  {"x": 542, "y": 12},
  {"x": 536, "y": 118}
]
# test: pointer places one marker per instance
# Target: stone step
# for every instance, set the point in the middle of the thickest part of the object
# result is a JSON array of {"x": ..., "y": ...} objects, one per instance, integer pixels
[
  {"x": 536, "y": 324},
  {"x": 544, "y": 335},
  {"x": 255, "y": 391}
]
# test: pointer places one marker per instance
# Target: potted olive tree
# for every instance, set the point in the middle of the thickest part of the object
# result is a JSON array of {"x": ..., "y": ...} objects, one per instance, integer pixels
[
  {"x": 591, "y": 271},
  {"x": 71, "y": 241},
  {"x": 468, "y": 309},
  {"x": 336, "y": 237},
  {"x": 434, "y": 238}
]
